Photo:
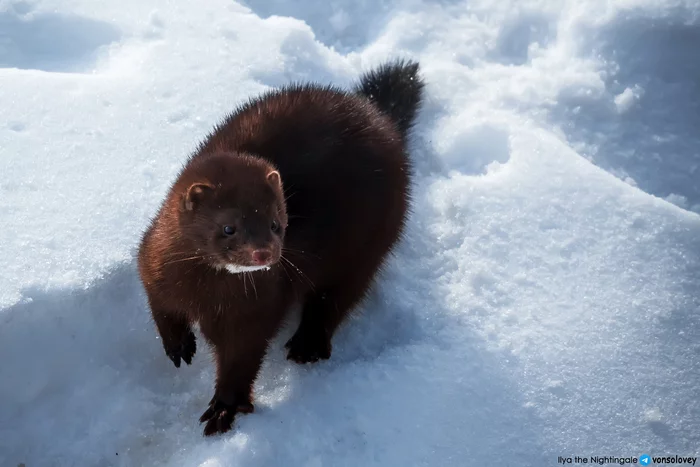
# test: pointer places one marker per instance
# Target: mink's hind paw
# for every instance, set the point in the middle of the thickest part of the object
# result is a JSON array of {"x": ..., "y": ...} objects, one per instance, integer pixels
[
  {"x": 185, "y": 349},
  {"x": 219, "y": 416},
  {"x": 306, "y": 347}
]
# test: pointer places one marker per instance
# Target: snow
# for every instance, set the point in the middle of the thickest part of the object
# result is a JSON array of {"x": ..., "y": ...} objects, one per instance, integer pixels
[{"x": 544, "y": 302}]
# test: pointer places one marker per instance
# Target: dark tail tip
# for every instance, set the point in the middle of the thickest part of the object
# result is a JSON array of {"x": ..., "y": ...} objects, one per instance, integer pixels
[{"x": 396, "y": 89}]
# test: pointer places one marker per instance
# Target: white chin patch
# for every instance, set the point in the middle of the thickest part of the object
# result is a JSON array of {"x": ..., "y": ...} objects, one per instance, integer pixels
[{"x": 236, "y": 269}]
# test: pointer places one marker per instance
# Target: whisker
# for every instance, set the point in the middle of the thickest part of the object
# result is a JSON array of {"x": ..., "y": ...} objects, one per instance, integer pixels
[
  {"x": 191, "y": 258},
  {"x": 252, "y": 281},
  {"x": 284, "y": 268},
  {"x": 285, "y": 262},
  {"x": 301, "y": 273},
  {"x": 300, "y": 253},
  {"x": 175, "y": 254}
]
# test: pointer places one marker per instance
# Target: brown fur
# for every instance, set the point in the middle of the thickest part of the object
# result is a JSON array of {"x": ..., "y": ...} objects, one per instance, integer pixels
[{"x": 329, "y": 170}]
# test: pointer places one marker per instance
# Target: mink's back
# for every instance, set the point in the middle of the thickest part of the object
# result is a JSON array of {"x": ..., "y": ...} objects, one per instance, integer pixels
[{"x": 343, "y": 164}]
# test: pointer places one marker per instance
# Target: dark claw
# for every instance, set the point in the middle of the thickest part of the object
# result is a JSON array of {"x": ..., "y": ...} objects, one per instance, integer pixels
[
  {"x": 175, "y": 358},
  {"x": 184, "y": 350},
  {"x": 207, "y": 415},
  {"x": 219, "y": 416},
  {"x": 221, "y": 422}
]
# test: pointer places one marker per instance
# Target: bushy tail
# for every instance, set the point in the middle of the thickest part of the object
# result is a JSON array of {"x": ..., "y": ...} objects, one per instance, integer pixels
[{"x": 396, "y": 89}]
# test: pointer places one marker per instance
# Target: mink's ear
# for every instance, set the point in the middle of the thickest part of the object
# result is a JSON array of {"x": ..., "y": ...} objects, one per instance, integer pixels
[
  {"x": 195, "y": 194},
  {"x": 274, "y": 179}
]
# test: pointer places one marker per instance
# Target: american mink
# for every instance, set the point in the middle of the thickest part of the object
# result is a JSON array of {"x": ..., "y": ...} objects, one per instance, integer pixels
[{"x": 296, "y": 197}]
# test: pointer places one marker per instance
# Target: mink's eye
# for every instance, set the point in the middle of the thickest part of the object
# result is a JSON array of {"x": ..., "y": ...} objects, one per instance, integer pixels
[
  {"x": 229, "y": 230},
  {"x": 274, "y": 226}
]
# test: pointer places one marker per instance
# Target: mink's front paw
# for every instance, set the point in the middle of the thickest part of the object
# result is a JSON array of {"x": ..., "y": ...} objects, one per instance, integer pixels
[
  {"x": 184, "y": 349},
  {"x": 219, "y": 416},
  {"x": 308, "y": 346}
]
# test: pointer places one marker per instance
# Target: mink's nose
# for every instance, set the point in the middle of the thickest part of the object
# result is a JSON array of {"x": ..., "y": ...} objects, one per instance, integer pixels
[{"x": 261, "y": 257}]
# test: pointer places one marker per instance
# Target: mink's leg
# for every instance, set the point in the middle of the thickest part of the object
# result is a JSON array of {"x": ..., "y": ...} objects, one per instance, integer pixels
[
  {"x": 323, "y": 312},
  {"x": 175, "y": 331},
  {"x": 239, "y": 347}
]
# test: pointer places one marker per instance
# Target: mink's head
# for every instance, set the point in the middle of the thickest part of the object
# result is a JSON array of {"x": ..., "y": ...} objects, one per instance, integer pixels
[{"x": 232, "y": 211}]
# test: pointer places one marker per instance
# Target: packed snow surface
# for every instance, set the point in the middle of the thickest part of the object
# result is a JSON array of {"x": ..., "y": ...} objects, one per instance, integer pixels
[{"x": 544, "y": 302}]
